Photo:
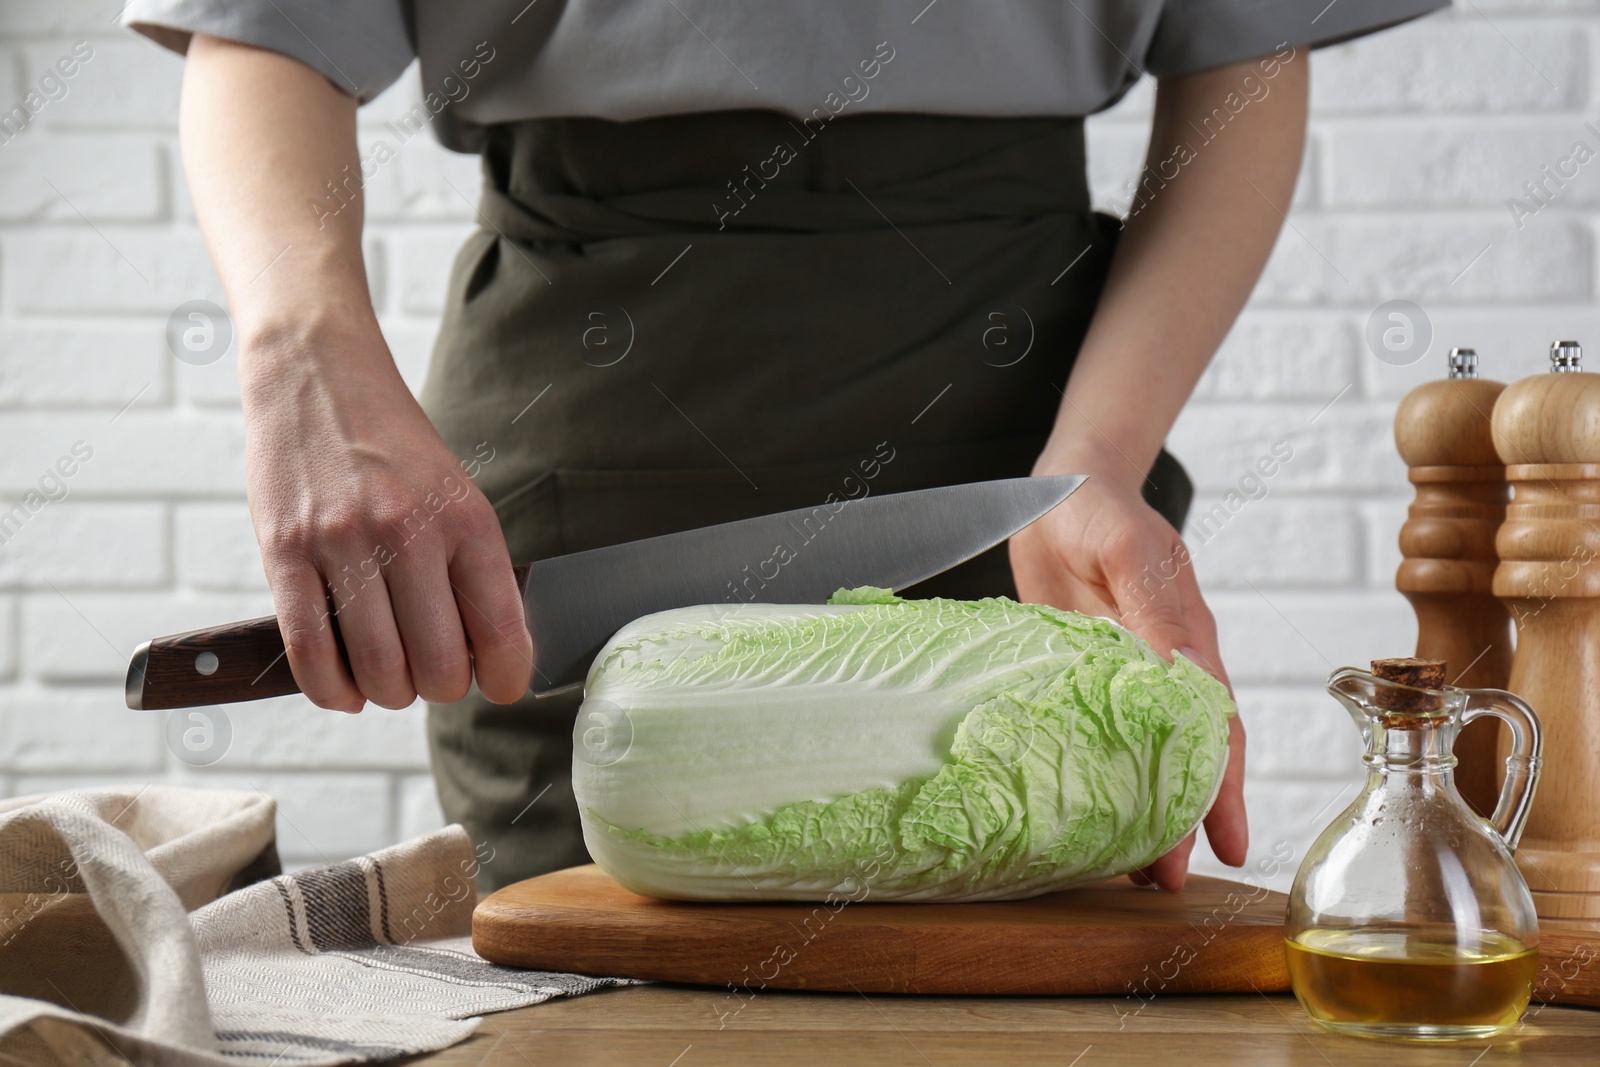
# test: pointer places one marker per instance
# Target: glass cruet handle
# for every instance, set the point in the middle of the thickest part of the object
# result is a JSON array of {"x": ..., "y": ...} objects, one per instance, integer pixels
[{"x": 1522, "y": 765}]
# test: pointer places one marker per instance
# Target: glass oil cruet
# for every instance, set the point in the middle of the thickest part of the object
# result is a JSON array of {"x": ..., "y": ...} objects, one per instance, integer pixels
[{"x": 1409, "y": 918}]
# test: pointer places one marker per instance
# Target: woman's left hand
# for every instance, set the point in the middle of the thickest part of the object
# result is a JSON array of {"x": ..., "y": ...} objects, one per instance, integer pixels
[{"x": 1106, "y": 552}]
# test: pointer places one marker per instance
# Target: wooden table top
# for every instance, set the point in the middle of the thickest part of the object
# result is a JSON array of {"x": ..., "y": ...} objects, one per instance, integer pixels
[{"x": 679, "y": 1026}]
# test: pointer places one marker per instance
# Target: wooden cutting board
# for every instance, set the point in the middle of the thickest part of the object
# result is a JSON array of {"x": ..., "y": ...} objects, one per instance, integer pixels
[{"x": 1111, "y": 938}]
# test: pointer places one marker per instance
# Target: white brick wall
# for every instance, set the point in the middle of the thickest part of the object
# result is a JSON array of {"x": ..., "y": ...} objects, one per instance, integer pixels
[{"x": 1419, "y": 136}]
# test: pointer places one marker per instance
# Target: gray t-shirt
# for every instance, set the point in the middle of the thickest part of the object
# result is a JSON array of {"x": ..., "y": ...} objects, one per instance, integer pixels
[{"x": 492, "y": 61}]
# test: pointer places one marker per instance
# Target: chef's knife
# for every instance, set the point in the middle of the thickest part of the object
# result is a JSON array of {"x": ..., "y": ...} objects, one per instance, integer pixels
[{"x": 575, "y": 602}]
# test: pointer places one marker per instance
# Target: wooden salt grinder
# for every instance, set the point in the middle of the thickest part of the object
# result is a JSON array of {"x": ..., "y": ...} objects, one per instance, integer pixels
[
  {"x": 1442, "y": 430},
  {"x": 1547, "y": 430}
]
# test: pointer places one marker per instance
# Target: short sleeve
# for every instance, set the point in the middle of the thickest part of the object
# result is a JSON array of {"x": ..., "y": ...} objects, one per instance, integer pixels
[
  {"x": 362, "y": 46},
  {"x": 1194, "y": 35}
]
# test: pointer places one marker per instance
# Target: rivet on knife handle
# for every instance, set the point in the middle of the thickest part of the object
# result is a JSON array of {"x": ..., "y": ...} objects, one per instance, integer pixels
[{"x": 224, "y": 664}]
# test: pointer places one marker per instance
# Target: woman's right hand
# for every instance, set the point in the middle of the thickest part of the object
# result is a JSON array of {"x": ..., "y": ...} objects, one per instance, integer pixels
[
  {"x": 368, "y": 521},
  {"x": 358, "y": 505}
]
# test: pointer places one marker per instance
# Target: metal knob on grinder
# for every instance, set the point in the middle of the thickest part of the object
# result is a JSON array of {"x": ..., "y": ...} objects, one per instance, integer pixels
[{"x": 1566, "y": 357}]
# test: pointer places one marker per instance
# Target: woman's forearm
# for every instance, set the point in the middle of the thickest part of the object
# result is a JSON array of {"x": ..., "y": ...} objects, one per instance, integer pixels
[
  {"x": 263, "y": 137},
  {"x": 1202, "y": 222}
]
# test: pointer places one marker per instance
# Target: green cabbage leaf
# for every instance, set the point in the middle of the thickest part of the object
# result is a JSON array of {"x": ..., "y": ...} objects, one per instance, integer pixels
[{"x": 889, "y": 749}]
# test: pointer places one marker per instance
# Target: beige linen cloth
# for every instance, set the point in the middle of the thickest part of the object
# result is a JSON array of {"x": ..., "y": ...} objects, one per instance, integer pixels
[{"x": 135, "y": 927}]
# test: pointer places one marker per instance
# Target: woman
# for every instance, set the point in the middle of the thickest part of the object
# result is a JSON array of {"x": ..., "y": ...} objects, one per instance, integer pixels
[{"x": 731, "y": 260}]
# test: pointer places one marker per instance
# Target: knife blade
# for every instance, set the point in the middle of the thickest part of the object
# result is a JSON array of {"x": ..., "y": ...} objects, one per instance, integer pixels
[{"x": 575, "y": 602}]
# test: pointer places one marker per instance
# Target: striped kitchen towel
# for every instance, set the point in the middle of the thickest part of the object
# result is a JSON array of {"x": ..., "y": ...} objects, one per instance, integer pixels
[{"x": 151, "y": 927}]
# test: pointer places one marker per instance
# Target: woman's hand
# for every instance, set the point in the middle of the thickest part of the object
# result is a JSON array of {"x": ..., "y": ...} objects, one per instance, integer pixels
[
  {"x": 362, "y": 510},
  {"x": 1106, "y": 552}
]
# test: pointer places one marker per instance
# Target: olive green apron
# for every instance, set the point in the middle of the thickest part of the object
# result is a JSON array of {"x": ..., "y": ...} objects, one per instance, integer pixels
[{"x": 682, "y": 321}]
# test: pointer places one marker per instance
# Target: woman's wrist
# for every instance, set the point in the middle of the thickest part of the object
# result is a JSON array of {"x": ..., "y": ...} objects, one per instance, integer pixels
[
  {"x": 1097, "y": 456},
  {"x": 312, "y": 337},
  {"x": 344, "y": 367},
  {"x": 315, "y": 299}
]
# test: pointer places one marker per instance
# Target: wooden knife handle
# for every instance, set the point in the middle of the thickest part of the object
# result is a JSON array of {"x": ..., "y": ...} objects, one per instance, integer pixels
[
  {"x": 225, "y": 664},
  {"x": 218, "y": 665}
]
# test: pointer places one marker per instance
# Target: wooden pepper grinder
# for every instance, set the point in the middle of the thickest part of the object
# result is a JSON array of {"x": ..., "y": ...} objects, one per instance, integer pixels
[
  {"x": 1442, "y": 430},
  {"x": 1547, "y": 430}
]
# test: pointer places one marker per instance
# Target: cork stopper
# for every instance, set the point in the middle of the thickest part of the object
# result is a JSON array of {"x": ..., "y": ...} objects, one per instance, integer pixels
[{"x": 1415, "y": 673}]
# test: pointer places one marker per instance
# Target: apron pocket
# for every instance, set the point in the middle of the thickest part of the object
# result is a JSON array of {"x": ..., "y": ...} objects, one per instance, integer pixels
[{"x": 530, "y": 518}]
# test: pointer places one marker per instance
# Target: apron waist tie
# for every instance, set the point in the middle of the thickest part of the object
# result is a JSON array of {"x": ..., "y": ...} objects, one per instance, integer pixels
[{"x": 574, "y": 180}]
